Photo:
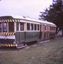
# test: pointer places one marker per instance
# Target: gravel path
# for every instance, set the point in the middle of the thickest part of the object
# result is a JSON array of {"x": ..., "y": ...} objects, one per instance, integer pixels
[{"x": 50, "y": 52}]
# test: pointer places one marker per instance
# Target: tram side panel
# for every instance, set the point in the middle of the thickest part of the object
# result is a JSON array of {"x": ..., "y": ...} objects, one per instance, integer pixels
[
  {"x": 52, "y": 32},
  {"x": 43, "y": 32},
  {"x": 26, "y": 37},
  {"x": 46, "y": 32},
  {"x": 20, "y": 37},
  {"x": 32, "y": 32},
  {"x": 52, "y": 35}
]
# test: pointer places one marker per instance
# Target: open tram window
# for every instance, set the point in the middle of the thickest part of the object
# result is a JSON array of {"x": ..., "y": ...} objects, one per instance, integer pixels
[
  {"x": 21, "y": 26},
  {"x": 0, "y": 27},
  {"x": 11, "y": 26},
  {"x": 4, "y": 27}
]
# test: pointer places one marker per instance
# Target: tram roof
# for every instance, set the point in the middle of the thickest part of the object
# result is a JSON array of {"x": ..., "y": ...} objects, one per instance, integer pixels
[
  {"x": 34, "y": 20},
  {"x": 28, "y": 19}
]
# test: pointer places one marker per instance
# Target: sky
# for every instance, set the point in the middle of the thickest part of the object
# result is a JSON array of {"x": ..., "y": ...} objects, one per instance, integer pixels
[{"x": 29, "y": 8}]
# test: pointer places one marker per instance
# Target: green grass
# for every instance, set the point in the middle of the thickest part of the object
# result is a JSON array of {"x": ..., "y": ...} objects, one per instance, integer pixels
[{"x": 46, "y": 53}]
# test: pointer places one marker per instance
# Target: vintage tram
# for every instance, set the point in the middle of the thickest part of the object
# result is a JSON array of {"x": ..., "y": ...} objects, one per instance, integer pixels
[{"x": 16, "y": 31}]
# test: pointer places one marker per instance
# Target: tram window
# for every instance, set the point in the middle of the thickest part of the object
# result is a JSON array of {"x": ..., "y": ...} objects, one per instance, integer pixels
[
  {"x": 21, "y": 26},
  {"x": 0, "y": 27},
  {"x": 37, "y": 27},
  {"x": 31, "y": 26},
  {"x": 11, "y": 26},
  {"x": 52, "y": 28},
  {"x": 4, "y": 27},
  {"x": 34, "y": 26},
  {"x": 44, "y": 27},
  {"x": 17, "y": 26},
  {"x": 28, "y": 26}
]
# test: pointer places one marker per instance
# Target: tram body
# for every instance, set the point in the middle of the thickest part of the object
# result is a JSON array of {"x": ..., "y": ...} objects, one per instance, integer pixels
[{"x": 18, "y": 31}]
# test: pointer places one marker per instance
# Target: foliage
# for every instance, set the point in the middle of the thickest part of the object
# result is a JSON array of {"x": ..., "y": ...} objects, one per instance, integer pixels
[{"x": 53, "y": 14}]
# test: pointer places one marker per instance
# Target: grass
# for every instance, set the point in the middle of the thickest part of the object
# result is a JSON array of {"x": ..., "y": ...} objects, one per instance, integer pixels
[{"x": 46, "y": 53}]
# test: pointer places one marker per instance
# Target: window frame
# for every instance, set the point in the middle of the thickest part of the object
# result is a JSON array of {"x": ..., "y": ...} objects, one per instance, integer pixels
[
  {"x": 28, "y": 26},
  {"x": 19, "y": 26}
]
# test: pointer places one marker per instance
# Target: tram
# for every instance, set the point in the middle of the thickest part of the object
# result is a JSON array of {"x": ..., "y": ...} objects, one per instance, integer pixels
[{"x": 16, "y": 31}]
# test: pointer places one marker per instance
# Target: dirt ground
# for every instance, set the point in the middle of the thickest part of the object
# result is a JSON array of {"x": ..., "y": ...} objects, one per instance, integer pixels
[{"x": 50, "y": 52}]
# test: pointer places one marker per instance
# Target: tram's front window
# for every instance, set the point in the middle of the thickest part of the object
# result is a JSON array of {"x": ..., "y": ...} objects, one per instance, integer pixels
[
  {"x": 4, "y": 27},
  {"x": 11, "y": 26}
]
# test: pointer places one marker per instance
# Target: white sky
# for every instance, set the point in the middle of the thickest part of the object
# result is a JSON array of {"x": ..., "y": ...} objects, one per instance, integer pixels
[{"x": 31, "y": 8}]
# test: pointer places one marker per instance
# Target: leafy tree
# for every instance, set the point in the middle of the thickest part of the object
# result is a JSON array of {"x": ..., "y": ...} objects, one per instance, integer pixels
[{"x": 54, "y": 14}]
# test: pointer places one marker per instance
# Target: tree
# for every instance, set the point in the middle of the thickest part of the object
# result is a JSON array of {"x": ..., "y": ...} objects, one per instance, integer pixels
[{"x": 54, "y": 14}]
